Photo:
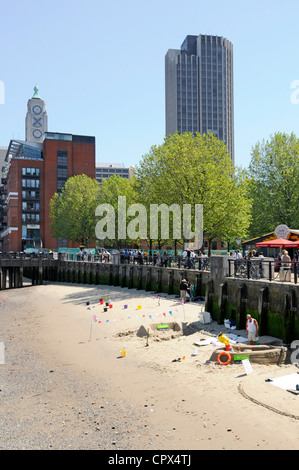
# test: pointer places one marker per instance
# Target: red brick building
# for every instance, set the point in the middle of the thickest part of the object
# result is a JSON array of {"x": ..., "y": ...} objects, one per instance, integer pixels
[{"x": 34, "y": 173}]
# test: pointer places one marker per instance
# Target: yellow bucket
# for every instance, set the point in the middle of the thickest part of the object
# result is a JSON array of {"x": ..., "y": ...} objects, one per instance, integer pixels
[{"x": 123, "y": 353}]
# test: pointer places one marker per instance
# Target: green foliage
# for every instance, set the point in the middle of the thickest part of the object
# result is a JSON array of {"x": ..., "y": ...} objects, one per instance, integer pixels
[
  {"x": 72, "y": 213},
  {"x": 109, "y": 192},
  {"x": 192, "y": 169},
  {"x": 188, "y": 169},
  {"x": 274, "y": 183}
]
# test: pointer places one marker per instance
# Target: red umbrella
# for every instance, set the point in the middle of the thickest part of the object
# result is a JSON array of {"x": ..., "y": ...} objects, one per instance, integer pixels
[{"x": 278, "y": 243}]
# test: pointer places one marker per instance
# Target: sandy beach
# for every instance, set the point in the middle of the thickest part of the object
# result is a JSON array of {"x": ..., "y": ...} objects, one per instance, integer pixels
[{"x": 64, "y": 384}]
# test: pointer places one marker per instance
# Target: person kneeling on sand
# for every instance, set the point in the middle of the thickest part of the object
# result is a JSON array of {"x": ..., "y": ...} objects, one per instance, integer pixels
[{"x": 252, "y": 328}]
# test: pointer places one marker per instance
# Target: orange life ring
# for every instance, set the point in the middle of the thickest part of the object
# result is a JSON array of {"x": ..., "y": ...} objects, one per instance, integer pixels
[{"x": 224, "y": 353}]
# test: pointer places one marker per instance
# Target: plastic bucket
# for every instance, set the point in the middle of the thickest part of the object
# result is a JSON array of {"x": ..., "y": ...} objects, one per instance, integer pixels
[{"x": 123, "y": 353}]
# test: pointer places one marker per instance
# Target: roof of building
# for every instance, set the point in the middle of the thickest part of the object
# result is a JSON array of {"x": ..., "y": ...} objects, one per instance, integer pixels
[
  {"x": 109, "y": 165},
  {"x": 69, "y": 137},
  {"x": 17, "y": 149},
  {"x": 267, "y": 236}
]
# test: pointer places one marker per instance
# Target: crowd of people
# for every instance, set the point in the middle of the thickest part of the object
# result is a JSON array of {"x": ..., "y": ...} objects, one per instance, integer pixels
[
  {"x": 146, "y": 257},
  {"x": 284, "y": 263},
  {"x": 282, "y": 259},
  {"x": 246, "y": 255},
  {"x": 256, "y": 254},
  {"x": 138, "y": 256},
  {"x": 187, "y": 259},
  {"x": 101, "y": 255}
]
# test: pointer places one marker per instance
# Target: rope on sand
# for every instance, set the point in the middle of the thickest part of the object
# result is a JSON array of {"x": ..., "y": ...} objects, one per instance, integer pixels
[{"x": 241, "y": 391}]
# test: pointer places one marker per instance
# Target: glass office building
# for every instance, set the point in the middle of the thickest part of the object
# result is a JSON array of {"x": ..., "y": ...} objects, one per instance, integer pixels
[{"x": 199, "y": 88}]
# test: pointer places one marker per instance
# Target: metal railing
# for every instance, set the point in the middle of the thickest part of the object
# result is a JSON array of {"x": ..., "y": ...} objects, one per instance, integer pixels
[
  {"x": 199, "y": 263},
  {"x": 21, "y": 254},
  {"x": 258, "y": 268},
  {"x": 202, "y": 264}
]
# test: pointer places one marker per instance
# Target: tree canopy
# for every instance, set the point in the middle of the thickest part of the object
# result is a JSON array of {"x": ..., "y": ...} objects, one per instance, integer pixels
[
  {"x": 197, "y": 169},
  {"x": 72, "y": 212},
  {"x": 185, "y": 171},
  {"x": 111, "y": 191},
  {"x": 274, "y": 183}
]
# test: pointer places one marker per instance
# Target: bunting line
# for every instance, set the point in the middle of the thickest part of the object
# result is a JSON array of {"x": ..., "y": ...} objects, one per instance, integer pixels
[
  {"x": 108, "y": 304},
  {"x": 150, "y": 316}
]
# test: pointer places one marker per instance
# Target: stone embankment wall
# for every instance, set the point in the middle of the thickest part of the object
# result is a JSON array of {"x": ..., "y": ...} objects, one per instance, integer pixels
[
  {"x": 132, "y": 276},
  {"x": 275, "y": 305}
]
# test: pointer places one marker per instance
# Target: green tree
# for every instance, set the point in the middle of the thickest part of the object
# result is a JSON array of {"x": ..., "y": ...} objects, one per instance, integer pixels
[
  {"x": 274, "y": 183},
  {"x": 197, "y": 169},
  {"x": 72, "y": 212},
  {"x": 233, "y": 216},
  {"x": 110, "y": 191}
]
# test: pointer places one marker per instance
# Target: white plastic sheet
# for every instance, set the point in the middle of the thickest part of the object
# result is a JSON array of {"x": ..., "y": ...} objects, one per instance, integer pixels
[{"x": 287, "y": 382}]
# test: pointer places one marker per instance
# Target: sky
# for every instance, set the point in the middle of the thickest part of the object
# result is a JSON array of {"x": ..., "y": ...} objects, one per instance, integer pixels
[{"x": 99, "y": 67}]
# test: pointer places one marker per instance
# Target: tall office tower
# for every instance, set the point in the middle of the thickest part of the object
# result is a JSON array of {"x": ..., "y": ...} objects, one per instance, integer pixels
[
  {"x": 199, "y": 88},
  {"x": 36, "y": 123}
]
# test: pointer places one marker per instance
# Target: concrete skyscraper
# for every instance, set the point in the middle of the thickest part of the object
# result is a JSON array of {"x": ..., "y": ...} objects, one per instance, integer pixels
[{"x": 199, "y": 88}]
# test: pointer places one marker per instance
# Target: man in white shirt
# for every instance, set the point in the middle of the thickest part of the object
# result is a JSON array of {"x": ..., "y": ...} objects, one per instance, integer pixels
[
  {"x": 237, "y": 255},
  {"x": 192, "y": 259},
  {"x": 252, "y": 329}
]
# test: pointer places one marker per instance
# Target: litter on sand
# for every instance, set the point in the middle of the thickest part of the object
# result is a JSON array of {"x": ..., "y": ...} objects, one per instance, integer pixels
[
  {"x": 205, "y": 317},
  {"x": 230, "y": 324},
  {"x": 180, "y": 359},
  {"x": 287, "y": 382},
  {"x": 247, "y": 366},
  {"x": 215, "y": 342}
]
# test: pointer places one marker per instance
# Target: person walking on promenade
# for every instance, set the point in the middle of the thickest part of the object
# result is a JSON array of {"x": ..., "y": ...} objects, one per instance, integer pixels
[
  {"x": 164, "y": 259},
  {"x": 252, "y": 329},
  {"x": 285, "y": 270}
]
